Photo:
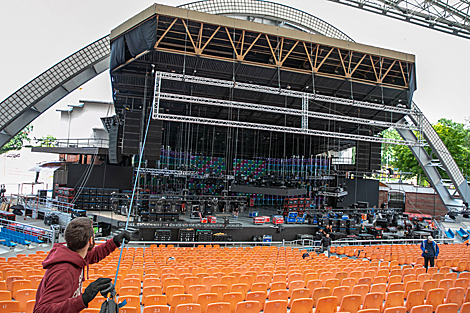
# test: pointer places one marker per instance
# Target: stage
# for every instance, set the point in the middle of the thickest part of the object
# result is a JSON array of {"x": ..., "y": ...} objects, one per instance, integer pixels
[{"x": 241, "y": 228}]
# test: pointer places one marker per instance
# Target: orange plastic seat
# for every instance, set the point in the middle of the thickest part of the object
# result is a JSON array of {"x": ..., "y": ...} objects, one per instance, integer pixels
[
  {"x": 247, "y": 307},
  {"x": 303, "y": 305},
  {"x": 181, "y": 299},
  {"x": 220, "y": 290},
  {"x": 25, "y": 295},
  {"x": 188, "y": 307},
  {"x": 396, "y": 309},
  {"x": 279, "y": 295},
  {"x": 447, "y": 308},
  {"x": 394, "y": 299},
  {"x": 259, "y": 296},
  {"x": 96, "y": 302},
  {"x": 30, "y": 306},
  {"x": 369, "y": 311},
  {"x": 5, "y": 295},
  {"x": 361, "y": 290},
  {"x": 275, "y": 306},
  {"x": 233, "y": 298},
  {"x": 129, "y": 291},
  {"x": 379, "y": 288},
  {"x": 19, "y": 284},
  {"x": 422, "y": 309},
  {"x": 446, "y": 284},
  {"x": 350, "y": 303},
  {"x": 173, "y": 290},
  {"x": 435, "y": 297},
  {"x": 320, "y": 293},
  {"x": 204, "y": 299},
  {"x": 196, "y": 290},
  {"x": 298, "y": 294},
  {"x": 415, "y": 298},
  {"x": 373, "y": 301},
  {"x": 152, "y": 300},
  {"x": 155, "y": 309},
  {"x": 455, "y": 295},
  {"x": 326, "y": 305},
  {"x": 465, "y": 308},
  {"x": 9, "y": 306},
  {"x": 133, "y": 302},
  {"x": 410, "y": 286},
  {"x": 218, "y": 307}
]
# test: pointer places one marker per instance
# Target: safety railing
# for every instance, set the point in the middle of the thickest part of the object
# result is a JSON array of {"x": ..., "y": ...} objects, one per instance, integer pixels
[
  {"x": 43, "y": 234},
  {"x": 53, "y": 204},
  {"x": 80, "y": 143},
  {"x": 371, "y": 242}
]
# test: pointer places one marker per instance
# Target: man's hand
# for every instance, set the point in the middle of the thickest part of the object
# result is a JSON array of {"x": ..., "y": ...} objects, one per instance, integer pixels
[
  {"x": 123, "y": 235},
  {"x": 92, "y": 290}
]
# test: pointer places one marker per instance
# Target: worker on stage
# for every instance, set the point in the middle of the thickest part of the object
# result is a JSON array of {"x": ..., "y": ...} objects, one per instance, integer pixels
[{"x": 60, "y": 291}]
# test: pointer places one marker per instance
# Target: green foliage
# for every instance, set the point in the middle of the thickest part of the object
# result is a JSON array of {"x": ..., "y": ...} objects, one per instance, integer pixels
[
  {"x": 456, "y": 137},
  {"x": 17, "y": 142},
  {"x": 47, "y": 141}
]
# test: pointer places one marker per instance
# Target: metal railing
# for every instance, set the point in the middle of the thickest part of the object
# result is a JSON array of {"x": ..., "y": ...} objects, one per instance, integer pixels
[
  {"x": 34, "y": 203},
  {"x": 372, "y": 242},
  {"x": 43, "y": 234},
  {"x": 80, "y": 143}
]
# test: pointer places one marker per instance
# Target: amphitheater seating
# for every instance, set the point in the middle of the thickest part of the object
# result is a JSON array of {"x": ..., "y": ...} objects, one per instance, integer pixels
[{"x": 211, "y": 279}]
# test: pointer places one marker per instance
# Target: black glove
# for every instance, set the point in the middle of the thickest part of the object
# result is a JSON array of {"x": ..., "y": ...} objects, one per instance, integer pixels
[
  {"x": 123, "y": 235},
  {"x": 92, "y": 290}
]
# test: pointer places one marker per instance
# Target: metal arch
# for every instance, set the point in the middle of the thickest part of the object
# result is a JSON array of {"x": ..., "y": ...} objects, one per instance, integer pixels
[
  {"x": 282, "y": 13},
  {"x": 31, "y": 100},
  {"x": 451, "y": 17}
]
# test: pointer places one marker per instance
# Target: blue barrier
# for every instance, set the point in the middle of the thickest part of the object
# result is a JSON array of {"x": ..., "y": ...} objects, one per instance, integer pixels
[
  {"x": 462, "y": 233},
  {"x": 450, "y": 233}
]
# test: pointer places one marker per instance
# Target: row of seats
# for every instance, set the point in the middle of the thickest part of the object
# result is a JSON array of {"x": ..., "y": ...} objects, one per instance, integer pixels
[{"x": 24, "y": 236}]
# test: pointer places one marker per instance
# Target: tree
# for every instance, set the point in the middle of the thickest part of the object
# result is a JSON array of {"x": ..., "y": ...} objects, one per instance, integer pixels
[
  {"x": 456, "y": 137},
  {"x": 47, "y": 141},
  {"x": 17, "y": 142}
]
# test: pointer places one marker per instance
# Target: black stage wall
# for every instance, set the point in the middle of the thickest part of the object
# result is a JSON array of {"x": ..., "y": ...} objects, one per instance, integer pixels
[
  {"x": 361, "y": 190},
  {"x": 244, "y": 234},
  {"x": 102, "y": 176}
]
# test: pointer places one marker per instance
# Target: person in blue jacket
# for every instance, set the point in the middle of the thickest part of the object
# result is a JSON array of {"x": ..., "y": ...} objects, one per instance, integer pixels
[{"x": 430, "y": 252}]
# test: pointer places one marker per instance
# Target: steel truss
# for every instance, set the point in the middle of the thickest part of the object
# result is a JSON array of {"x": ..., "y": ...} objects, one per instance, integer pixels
[
  {"x": 285, "y": 92},
  {"x": 451, "y": 18},
  {"x": 158, "y": 96}
]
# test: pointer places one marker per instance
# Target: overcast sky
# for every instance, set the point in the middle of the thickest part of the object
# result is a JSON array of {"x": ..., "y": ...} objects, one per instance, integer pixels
[{"x": 37, "y": 34}]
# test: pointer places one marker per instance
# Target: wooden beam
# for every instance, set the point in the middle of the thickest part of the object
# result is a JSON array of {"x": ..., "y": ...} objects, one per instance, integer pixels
[
  {"x": 357, "y": 65},
  {"x": 288, "y": 53},
  {"x": 189, "y": 34},
  {"x": 403, "y": 73},
  {"x": 324, "y": 59},
  {"x": 270, "y": 47},
  {"x": 231, "y": 41},
  {"x": 209, "y": 40},
  {"x": 373, "y": 67},
  {"x": 243, "y": 41},
  {"x": 252, "y": 44},
  {"x": 199, "y": 37},
  {"x": 308, "y": 56},
  {"x": 164, "y": 34},
  {"x": 342, "y": 63},
  {"x": 388, "y": 70}
]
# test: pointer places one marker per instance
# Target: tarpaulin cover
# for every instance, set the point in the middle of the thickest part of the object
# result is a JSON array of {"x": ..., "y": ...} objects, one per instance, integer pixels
[{"x": 137, "y": 40}]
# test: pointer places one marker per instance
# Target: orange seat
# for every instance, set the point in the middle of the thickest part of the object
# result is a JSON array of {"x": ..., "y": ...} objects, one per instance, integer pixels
[
  {"x": 275, "y": 306},
  {"x": 189, "y": 307},
  {"x": 320, "y": 293},
  {"x": 204, "y": 299},
  {"x": 259, "y": 296},
  {"x": 465, "y": 308},
  {"x": 298, "y": 294},
  {"x": 233, "y": 298},
  {"x": 156, "y": 309},
  {"x": 96, "y": 302},
  {"x": 151, "y": 300},
  {"x": 411, "y": 285},
  {"x": 30, "y": 306},
  {"x": 435, "y": 297},
  {"x": 209, "y": 281},
  {"x": 247, "y": 307},
  {"x": 129, "y": 291},
  {"x": 303, "y": 305},
  {"x": 218, "y": 307},
  {"x": 279, "y": 295},
  {"x": 173, "y": 290},
  {"x": 422, "y": 309},
  {"x": 132, "y": 302},
  {"x": 379, "y": 288},
  {"x": 373, "y": 301},
  {"x": 361, "y": 290},
  {"x": 220, "y": 290},
  {"x": 447, "y": 308},
  {"x": 25, "y": 295},
  {"x": 394, "y": 299},
  {"x": 396, "y": 309},
  {"x": 455, "y": 295},
  {"x": 350, "y": 303},
  {"x": 19, "y": 284},
  {"x": 179, "y": 299},
  {"x": 446, "y": 284},
  {"x": 326, "y": 305},
  {"x": 5, "y": 295},
  {"x": 196, "y": 290},
  {"x": 9, "y": 306},
  {"x": 415, "y": 298}
]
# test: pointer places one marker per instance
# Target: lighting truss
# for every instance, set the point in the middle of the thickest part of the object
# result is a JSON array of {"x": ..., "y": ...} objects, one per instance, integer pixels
[
  {"x": 450, "y": 16},
  {"x": 304, "y": 113},
  {"x": 284, "y": 92}
]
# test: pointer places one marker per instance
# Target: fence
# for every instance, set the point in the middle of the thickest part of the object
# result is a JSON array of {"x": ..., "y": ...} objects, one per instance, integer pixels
[{"x": 43, "y": 234}]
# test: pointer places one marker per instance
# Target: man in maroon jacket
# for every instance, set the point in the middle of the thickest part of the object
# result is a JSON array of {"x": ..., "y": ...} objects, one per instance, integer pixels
[{"x": 60, "y": 290}]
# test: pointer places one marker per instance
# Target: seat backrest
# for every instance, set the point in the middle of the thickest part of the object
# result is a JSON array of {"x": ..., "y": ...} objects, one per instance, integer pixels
[
  {"x": 320, "y": 293},
  {"x": 275, "y": 306},
  {"x": 259, "y": 287},
  {"x": 259, "y": 296},
  {"x": 326, "y": 305},
  {"x": 30, "y": 306},
  {"x": 188, "y": 307},
  {"x": 5, "y": 295},
  {"x": 412, "y": 285},
  {"x": 278, "y": 295},
  {"x": 25, "y": 295},
  {"x": 340, "y": 292},
  {"x": 302, "y": 305},
  {"x": 382, "y": 287},
  {"x": 173, "y": 290},
  {"x": 19, "y": 284},
  {"x": 196, "y": 290},
  {"x": 435, "y": 297},
  {"x": 247, "y": 307},
  {"x": 373, "y": 300},
  {"x": 465, "y": 307},
  {"x": 204, "y": 299},
  {"x": 220, "y": 290},
  {"x": 447, "y": 308},
  {"x": 397, "y": 309},
  {"x": 455, "y": 295},
  {"x": 218, "y": 307},
  {"x": 361, "y": 290},
  {"x": 154, "y": 300},
  {"x": 233, "y": 298},
  {"x": 156, "y": 309},
  {"x": 132, "y": 302},
  {"x": 351, "y": 282},
  {"x": 350, "y": 303},
  {"x": 394, "y": 298},
  {"x": 422, "y": 309},
  {"x": 179, "y": 299},
  {"x": 415, "y": 297},
  {"x": 462, "y": 282},
  {"x": 9, "y": 306}
]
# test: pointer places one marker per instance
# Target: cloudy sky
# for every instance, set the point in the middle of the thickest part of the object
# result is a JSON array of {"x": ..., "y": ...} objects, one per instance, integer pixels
[{"x": 37, "y": 34}]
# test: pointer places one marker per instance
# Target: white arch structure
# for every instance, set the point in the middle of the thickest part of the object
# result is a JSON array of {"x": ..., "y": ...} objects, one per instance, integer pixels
[{"x": 41, "y": 93}]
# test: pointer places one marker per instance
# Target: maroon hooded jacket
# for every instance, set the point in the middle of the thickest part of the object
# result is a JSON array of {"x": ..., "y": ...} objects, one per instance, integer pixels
[{"x": 61, "y": 288}]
